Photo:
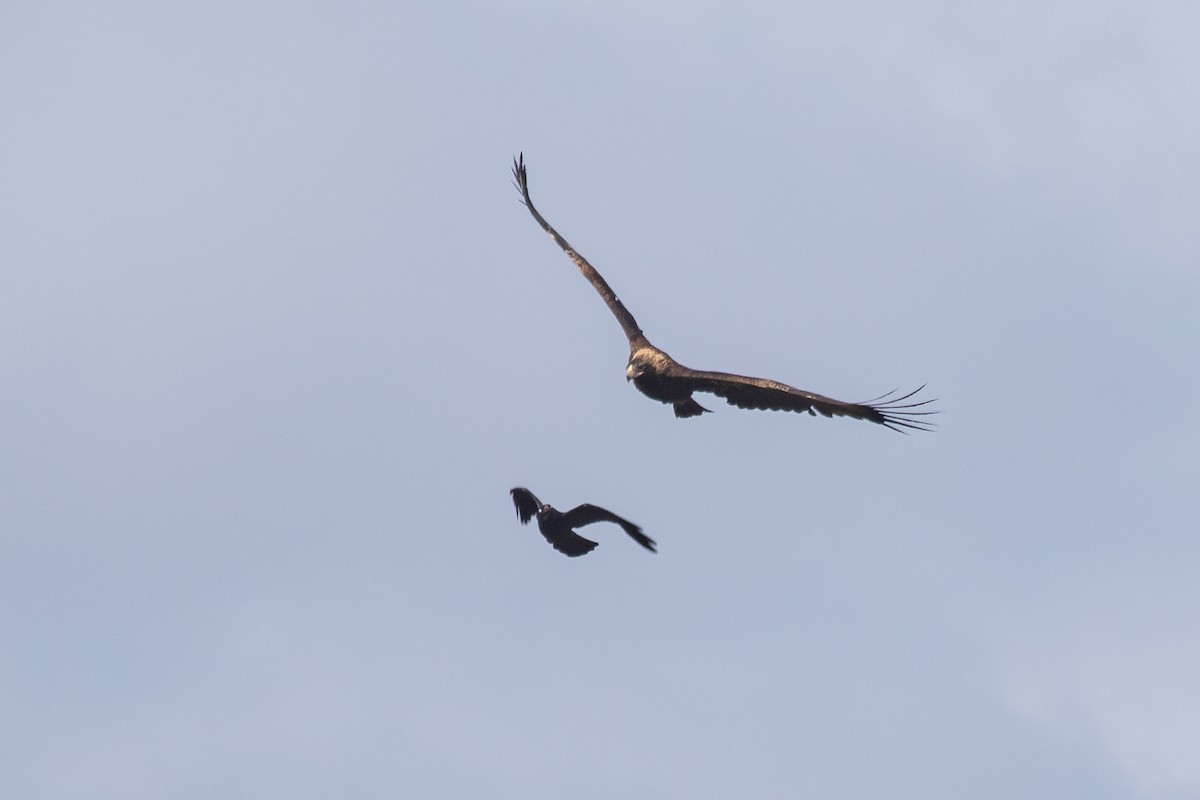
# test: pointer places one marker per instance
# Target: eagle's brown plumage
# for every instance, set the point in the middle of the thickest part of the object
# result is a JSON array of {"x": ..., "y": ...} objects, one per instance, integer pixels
[{"x": 662, "y": 378}]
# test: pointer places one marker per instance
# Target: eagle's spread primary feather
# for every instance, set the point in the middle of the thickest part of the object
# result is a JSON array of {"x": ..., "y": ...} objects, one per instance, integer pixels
[{"x": 661, "y": 378}]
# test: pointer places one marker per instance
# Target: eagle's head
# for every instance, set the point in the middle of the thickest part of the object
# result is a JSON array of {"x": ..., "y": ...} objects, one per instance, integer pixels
[{"x": 640, "y": 363}]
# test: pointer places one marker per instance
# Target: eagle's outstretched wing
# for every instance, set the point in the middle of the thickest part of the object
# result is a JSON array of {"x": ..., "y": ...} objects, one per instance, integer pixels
[
  {"x": 628, "y": 323},
  {"x": 762, "y": 393},
  {"x": 527, "y": 505},
  {"x": 587, "y": 513}
]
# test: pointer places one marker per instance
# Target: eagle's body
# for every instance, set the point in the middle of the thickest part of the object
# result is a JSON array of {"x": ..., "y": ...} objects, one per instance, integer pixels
[
  {"x": 558, "y": 527},
  {"x": 651, "y": 371},
  {"x": 662, "y": 378}
]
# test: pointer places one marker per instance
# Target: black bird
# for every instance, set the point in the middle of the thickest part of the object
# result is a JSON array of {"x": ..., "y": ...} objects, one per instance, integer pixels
[
  {"x": 557, "y": 526},
  {"x": 661, "y": 378}
]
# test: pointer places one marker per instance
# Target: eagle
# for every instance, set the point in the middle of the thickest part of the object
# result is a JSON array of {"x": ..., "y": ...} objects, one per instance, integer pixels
[
  {"x": 557, "y": 526},
  {"x": 662, "y": 378}
]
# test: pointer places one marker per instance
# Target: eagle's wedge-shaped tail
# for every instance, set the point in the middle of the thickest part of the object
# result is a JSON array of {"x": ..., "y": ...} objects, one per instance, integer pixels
[{"x": 689, "y": 408}]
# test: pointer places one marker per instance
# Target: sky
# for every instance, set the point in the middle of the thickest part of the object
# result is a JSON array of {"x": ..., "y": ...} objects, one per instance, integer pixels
[{"x": 277, "y": 339}]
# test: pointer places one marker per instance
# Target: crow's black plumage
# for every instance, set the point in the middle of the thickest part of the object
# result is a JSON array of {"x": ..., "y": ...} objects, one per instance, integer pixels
[
  {"x": 660, "y": 377},
  {"x": 557, "y": 526}
]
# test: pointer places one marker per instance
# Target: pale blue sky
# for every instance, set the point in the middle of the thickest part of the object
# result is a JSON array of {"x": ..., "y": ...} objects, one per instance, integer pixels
[{"x": 277, "y": 338}]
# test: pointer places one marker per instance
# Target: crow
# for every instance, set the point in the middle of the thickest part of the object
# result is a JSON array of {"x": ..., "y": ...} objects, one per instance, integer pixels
[{"x": 556, "y": 526}]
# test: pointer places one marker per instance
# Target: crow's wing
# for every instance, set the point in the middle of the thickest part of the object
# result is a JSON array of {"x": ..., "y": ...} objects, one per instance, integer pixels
[
  {"x": 762, "y": 393},
  {"x": 527, "y": 505},
  {"x": 567, "y": 541},
  {"x": 587, "y": 513},
  {"x": 628, "y": 323}
]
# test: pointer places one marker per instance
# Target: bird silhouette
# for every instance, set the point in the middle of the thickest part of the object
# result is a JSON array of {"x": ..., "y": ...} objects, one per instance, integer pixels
[
  {"x": 661, "y": 378},
  {"x": 557, "y": 526}
]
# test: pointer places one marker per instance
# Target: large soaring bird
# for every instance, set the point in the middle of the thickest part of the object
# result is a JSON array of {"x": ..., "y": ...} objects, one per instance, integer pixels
[
  {"x": 660, "y": 377},
  {"x": 557, "y": 526}
]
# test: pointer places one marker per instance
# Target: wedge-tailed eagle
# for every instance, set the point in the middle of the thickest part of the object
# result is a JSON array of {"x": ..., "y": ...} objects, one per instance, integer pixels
[{"x": 660, "y": 377}]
